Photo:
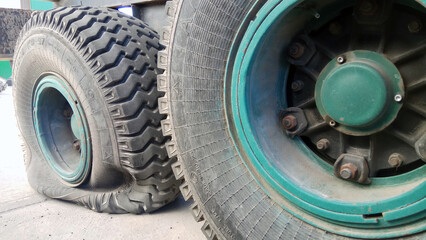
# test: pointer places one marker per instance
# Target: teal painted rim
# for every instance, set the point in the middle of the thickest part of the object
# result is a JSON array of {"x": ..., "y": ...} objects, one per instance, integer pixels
[
  {"x": 397, "y": 210},
  {"x": 60, "y": 123}
]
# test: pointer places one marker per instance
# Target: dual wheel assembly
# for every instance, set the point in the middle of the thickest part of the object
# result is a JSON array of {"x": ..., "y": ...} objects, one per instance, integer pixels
[
  {"x": 86, "y": 102},
  {"x": 298, "y": 119}
]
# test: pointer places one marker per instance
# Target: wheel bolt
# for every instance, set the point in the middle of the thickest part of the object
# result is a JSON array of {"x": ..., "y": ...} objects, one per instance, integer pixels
[
  {"x": 77, "y": 145},
  {"x": 68, "y": 113},
  {"x": 323, "y": 144},
  {"x": 296, "y": 50},
  {"x": 297, "y": 86},
  {"x": 414, "y": 27},
  {"x": 395, "y": 160},
  {"x": 341, "y": 60},
  {"x": 348, "y": 171},
  {"x": 289, "y": 122}
]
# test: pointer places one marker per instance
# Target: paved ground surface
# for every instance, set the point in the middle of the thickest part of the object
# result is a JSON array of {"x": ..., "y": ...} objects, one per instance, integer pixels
[{"x": 24, "y": 214}]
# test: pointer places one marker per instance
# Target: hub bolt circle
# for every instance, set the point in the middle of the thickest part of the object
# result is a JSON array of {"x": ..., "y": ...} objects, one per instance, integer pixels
[
  {"x": 289, "y": 122},
  {"x": 348, "y": 171}
]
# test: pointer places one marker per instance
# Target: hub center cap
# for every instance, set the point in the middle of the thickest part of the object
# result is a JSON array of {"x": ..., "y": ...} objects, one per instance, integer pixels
[
  {"x": 357, "y": 91},
  {"x": 354, "y": 94}
]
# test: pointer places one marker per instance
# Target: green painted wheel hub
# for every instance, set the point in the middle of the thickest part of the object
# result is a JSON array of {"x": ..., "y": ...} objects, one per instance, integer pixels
[
  {"x": 353, "y": 95},
  {"x": 358, "y": 90},
  {"x": 62, "y": 130},
  {"x": 359, "y": 94}
]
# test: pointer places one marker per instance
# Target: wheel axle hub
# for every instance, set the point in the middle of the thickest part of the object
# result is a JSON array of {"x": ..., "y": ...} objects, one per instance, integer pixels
[{"x": 357, "y": 91}]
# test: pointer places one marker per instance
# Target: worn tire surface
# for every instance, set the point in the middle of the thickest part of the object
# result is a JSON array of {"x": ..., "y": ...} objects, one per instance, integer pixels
[
  {"x": 226, "y": 197},
  {"x": 109, "y": 59}
]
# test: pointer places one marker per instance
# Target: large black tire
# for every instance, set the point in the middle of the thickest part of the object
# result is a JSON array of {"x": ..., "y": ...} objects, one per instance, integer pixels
[
  {"x": 227, "y": 198},
  {"x": 109, "y": 60}
]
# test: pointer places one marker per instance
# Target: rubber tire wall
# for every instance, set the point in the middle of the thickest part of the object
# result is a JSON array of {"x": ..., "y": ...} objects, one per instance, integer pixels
[
  {"x": 109, "y": 59},
  {"x": 226, "y": 196}
]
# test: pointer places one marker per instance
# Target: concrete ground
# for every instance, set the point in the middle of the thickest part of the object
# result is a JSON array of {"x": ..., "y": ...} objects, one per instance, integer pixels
[{"x": 24, "y": 214}]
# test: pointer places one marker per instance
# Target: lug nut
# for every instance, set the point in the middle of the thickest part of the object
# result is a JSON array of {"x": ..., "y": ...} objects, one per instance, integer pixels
[
  {"x": 414, "y": 27},
  {"x": 348, "y": 171},
  {"x": 289, "y": 122},
  {"x": 323, "y": 144},
  {"x": 296, "y": 86},
  {"x": 296, "y": 50},
  {"x": 68, "y": 113},
  {"x": 341, "y": 60},
  {"x": 395, "y": 160},
  {"x": 76, "y": 145}
]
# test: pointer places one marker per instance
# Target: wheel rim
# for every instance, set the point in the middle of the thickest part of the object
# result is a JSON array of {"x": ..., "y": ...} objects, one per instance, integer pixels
[
  {"x": 254, "y": 100},
  {"x": 61, "y": 128}
]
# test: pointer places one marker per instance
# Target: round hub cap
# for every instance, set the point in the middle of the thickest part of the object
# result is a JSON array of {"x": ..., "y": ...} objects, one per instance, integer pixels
[
  {"x": 359, "y": 93},
  {"x": 354, "y": 94}
]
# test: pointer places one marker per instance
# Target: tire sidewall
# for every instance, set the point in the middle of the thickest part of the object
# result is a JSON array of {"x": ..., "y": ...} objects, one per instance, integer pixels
[{"x": 42, "y": 51}]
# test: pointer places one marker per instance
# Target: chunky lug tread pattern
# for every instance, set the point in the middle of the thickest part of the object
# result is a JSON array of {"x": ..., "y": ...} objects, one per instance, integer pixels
[{"x": 122, "y": 53}]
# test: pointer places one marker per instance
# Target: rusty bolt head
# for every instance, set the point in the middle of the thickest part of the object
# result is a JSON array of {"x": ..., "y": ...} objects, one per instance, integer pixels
[
  {"x": 323, "y": 144},
  {"x": 296, "y": 50},
  {"x": 348, "y": 171},
  {"x": 414, "y": 26},
  {"x": 297, "y": 86},
  {"x": 395, "y": 160},
  {"x": 289, "y": 122},
  {"x": 77, "y": 145}
]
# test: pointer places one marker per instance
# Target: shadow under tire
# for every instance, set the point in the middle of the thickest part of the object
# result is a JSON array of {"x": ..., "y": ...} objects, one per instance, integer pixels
[{"x": 85, "y": 95}]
